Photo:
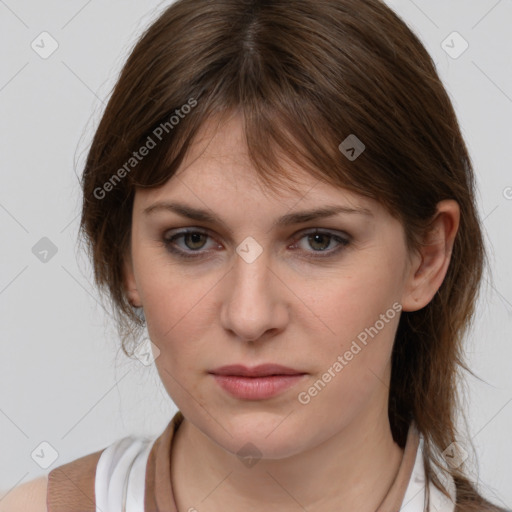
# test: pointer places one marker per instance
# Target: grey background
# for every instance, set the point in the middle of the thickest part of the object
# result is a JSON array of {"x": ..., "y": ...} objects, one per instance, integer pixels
[{"x": 63, "y": 379}]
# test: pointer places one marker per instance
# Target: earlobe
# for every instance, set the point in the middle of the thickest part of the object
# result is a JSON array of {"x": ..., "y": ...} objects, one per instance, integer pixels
[
  {"x": 429, "y": 266},
  {"x": 130, "y": 284}
]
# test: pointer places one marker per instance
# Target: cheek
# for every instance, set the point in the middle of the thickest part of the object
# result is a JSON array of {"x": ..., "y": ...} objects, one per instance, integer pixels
[
  {"x": 180, "y": 316},
  {"x": 354, "y": 363},
  {"x": 173, "y": 320},
  {"x": 349, "y": 304},
  {"x": 174, "y": 324},
  {"x": 171, "y": 293},
  {"x": 362, "y": 313}
]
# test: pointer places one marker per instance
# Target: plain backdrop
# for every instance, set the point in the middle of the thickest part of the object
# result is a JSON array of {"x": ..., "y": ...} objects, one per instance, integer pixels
[{"x": 63, "y": 380}]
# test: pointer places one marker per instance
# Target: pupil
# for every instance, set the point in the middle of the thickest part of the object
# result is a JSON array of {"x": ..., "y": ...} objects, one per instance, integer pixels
[
  {"x": 195, "y": 237},
  {"x": 316, "y": 237}
]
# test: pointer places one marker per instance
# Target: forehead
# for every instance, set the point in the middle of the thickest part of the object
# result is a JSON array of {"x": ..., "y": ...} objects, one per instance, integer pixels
[{"x": 217, "y": 168}]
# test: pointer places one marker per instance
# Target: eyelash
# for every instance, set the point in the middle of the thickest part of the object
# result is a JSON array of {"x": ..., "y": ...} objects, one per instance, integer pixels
[{"x": 168, "y": 243}]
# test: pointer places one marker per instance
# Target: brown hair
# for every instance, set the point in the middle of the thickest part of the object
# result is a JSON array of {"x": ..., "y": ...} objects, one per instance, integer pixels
[{"x": 305, "y": 74}]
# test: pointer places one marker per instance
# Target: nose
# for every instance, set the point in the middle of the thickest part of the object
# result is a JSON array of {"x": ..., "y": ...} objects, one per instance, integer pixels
[{"x": 255, "y": 300}]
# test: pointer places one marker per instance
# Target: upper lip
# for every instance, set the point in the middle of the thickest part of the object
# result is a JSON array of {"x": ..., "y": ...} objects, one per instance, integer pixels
[{"x": 255, "y": 371}]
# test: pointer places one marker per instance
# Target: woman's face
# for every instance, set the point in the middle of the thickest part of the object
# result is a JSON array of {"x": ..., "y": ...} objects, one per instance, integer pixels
[{"x": 251, "y": 289}]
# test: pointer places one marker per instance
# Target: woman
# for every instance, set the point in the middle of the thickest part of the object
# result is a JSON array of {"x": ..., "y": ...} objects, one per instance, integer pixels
[{"x": 280, "y": 192}]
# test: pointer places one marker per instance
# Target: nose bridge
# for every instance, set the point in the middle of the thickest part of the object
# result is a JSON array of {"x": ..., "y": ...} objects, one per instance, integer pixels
[
  {"x": 251, "y": 271},
  {"x": 251, "y": 307}
]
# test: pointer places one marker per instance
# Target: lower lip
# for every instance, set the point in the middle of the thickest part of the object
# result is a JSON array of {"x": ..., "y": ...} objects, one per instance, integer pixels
[{"x": 256, "y": 388}]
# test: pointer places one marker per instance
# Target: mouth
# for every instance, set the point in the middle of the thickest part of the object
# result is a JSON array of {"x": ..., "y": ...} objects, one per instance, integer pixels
[
  {"x": 256, "y": 383},
  {"x": 262, "y": 370}
]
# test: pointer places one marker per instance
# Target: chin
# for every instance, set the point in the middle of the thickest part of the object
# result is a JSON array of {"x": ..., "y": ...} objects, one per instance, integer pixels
[
  {"x": 249, "y": 449},
  {"x": 260, "y": 434}
]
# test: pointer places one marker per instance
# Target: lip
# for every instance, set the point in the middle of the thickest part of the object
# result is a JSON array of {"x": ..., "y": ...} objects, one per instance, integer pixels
[
  {"x": 262, "y": 370},
  {"x": 256, "y": 388},
  {"x": 256, "y": 383}
]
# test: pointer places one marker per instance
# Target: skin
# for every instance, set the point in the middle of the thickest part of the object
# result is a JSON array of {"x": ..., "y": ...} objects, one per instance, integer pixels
[{"x": 335, "y": 452}]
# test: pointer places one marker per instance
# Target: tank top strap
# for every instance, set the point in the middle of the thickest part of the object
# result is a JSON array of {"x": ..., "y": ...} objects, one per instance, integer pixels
[
  {"x": 111, "y": 479},
  {"x": 121, "y": 475},
  {"x": 130, "y": 475}
]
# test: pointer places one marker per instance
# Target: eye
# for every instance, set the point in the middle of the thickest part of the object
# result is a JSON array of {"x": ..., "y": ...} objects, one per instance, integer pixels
[
  {"x": 320, "y": 241},
  {"x": 195, "y": 240}
]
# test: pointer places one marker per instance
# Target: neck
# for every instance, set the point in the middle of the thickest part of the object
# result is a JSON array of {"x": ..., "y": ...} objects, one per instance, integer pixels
[{"x": 352, "y": 470}]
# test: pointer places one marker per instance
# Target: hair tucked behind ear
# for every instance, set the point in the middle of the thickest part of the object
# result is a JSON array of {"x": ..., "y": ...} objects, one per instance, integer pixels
[{"x": 306, "y": 74}]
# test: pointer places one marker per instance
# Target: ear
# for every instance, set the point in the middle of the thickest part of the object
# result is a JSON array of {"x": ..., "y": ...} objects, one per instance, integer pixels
[
  {"x": 129, "y": 281},
  {"x": 429, "y": 265}
]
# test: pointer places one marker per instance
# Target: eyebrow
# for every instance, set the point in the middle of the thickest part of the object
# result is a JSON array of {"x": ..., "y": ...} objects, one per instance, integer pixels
[{"x": 286, "y": 220}]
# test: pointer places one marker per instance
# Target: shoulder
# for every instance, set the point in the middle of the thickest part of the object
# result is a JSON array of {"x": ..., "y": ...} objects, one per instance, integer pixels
[
  {"x": 72, "y": 485},
  {"x": 27, "y": 497},
  {"x": 68, "y": 485}
]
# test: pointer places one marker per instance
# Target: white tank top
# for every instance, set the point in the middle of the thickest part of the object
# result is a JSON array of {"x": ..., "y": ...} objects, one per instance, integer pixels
[
  {"x": 120, "y": 475},
  {"x": 121, "y": 470}
]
